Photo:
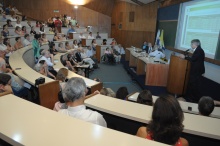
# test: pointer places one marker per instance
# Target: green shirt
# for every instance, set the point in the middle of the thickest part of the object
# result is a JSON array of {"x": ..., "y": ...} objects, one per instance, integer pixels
[{"x": 36, "y": 47}]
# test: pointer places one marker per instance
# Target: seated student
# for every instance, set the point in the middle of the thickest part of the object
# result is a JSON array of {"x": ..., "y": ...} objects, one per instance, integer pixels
[
  {"x": 26, "y": 41},
  {"x": 42, "y": 29},
  {"x": 47, "y": 57},
  {"x": 86, "y": 59},
  {"x": 65, "y": 61},
  {"x": 9, "y": 23},
  {"x": 3, "y": 47},
  {"x": 120, "y": 49},
  {"x": 29, "y": 24},
  {"x": 90, "y": 36},
  {"x": 4, "y": 17},
  {"x": 166, "y": 125},
  {"x": 5, "y": 31},
  {"x": 51, "y": 31},
  {"x": 71, "y": 30},
  {"x": 7, "y": 10},
  {"x": 93, "y": 45},
  {"x": 116, "y": 54},
  {"x": 74, "y": 93},
  {"x": 61, "y": 49},
  {"x": 56, "y": 37},
  {"x": 113, "y": 42},
  {"x": 206, "y": 105},
  {"x": 5, "y": 80},
  {"x": 157, "y": 54},
  {"x": 42, "y": 68},
  {"x": 44, "y": 38},
  {"x": 13, "y": 17},
  {"x": 75, "y": 45},
  {"x": 52, "y": 49},
  {"x": 81, "y": 36},
  {"x": 67, "y": 46},
  {"x": 107, "y": 92},
  {"x": 122, "y": 93},
  {"x": 110, "y": 56},
  {"x": 144, "y": 46},
  {"x": 10, "y": 49},
  {"x": 16, "y": 83},
  {"x": 18, "y": 23},
  {"x": 104, "y": 42},
  {"x": 23, "y": 29},
  {"x": 37, "y": 24},
  {"x": 32, "y": 32},
  {"x": 18, "y": 31},
  {"x": 145, "y": 97},
  {"x": 98, "y": 36},
  {"x": 18, "y": 44}
]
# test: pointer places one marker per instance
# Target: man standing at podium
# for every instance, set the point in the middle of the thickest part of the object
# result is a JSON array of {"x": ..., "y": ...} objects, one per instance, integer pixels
[{"x": 197, "y": 69}]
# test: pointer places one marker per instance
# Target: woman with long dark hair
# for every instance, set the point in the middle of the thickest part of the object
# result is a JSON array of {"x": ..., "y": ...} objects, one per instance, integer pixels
[{"x": 166, "y": 125}]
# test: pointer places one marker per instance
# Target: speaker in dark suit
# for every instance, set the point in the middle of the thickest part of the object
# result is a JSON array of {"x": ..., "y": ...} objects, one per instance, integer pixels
[{"x": 197, "y": 69}]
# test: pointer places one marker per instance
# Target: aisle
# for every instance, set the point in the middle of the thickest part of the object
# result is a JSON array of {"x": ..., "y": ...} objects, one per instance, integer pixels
[{"x": 115, "y": 76}]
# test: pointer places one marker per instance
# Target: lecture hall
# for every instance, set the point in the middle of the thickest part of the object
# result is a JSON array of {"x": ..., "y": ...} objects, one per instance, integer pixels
[{"x": 109, "y": 72}]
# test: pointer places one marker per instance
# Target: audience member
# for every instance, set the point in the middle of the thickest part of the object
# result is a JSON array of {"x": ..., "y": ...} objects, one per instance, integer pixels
[
  {"x": 18, "y": 23},
  {"x": 5, "y": 31},
  {"x": 98, "y": 36},
  {"x": 16, "y": 83},
  {"x": 61, "y": 49},
  {"x": 5, "y": 83},
  {"x": 81, "y": 73},
  {"x": 166, "y": 125},
  {"x": 47, "y": 57},
  {"x": 36, "y": 46},
  {"x": 116, "y": 54},
  {"x": 18, "y": 44},
  {"x": 32, "y": 32},
  {"x": 81, "y": 36},
  {"x": 37, "y": 24},
  {"x": 75, "y": 45},
  {"x": 122, "y": 93},
  {"x": 4, "y": 17},
  {"x": 44, "y": 38},
  {"x": 26, "y": 41},
  {"x": 13, "y": 17},
  {"x": 9, "y": 23},
  {"x": 67, "y": 46},
  {"x": 114, "y": 42},
  {"x": 90, "y": 36},
  {"x": 206, "y": 105},
  {"x": 29, "y": 24},
  {"x": 23, "y": 29},
  {"x": 145, "y": 97},
  {"x": 42, "y": 31},
  {"x": 104, "y": 42},
  {"x": 71, "y": 30},
  {"x": 73, "y": 21},
  {"x": 42, "y": 68},
  {"x": 74, "y": 93},
  {"x": 52, "y": 48},
  {"x": 18, "y": 31},
  {"x": 10, "y": 49},
  {"x": 109, "y": 55},
  {"x": 107, "y": 92},
  {"x": 3, "y": 47},
  {"x": 144, "y": 46}
]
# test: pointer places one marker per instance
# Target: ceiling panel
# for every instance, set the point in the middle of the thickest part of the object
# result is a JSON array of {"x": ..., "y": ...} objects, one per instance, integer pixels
[{"x": 142, "y": 1}]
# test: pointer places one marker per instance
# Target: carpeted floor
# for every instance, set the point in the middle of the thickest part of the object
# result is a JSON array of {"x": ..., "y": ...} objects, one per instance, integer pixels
[{"x": 115, "y": 76}]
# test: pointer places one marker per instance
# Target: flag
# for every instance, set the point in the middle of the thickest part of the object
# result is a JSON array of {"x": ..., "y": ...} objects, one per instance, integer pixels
[
  {"x": 161, "y": 44},
  {"x": 157, "y": 41}
]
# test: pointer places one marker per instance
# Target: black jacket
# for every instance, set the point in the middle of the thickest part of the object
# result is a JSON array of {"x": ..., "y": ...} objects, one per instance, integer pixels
[
  {"x": 197, "y": 62},
  {"x": 78, "y": 57}
]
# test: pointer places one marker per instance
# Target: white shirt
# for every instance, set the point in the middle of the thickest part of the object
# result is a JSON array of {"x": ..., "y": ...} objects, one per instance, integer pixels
[
  {"x": 89, "y": 53},
  {"x": 80, "y": 112},
  {"x": 13, "y": 19},
  {"x": 120, "y": 49},
  {"x": 157, "y": 54},
  {"x": 3, "y": 47},
  {"x": 26, "y": 42},
  {"x": 75, "y": 46},
  {"x": 18, "y": 25},
  {"x": 81, "y": 37},
  {"x": 90, "y": 37},
  {"x": 48, "y": 61}
]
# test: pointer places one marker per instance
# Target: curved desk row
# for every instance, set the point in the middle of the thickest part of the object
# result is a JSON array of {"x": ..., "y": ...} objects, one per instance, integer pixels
[
  {"x": 193, "y": 124},
  {"x": 184, "y": 105},
  {"x": 25, "y": 123}
]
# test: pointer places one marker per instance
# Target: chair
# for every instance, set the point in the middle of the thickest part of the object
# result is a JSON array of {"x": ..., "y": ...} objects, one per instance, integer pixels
[{"x": 48, "y": 94}]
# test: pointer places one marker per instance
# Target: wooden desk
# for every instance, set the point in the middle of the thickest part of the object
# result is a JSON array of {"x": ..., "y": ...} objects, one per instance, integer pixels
[
  {"x": 156, "y": 73},
  {"x": 193, "y": 124},
  {"x": 26, "y": 73},
  {"x": 25, "y": 123},
  {"x": 184, "y": 105}
]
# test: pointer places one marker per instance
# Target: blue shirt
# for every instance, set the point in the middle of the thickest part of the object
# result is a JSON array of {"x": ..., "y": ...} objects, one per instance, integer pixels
[{"x": 70, "y": 30}]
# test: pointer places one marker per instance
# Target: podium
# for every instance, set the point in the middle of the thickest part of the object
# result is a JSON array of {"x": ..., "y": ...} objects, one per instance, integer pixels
[{"x": 178, "y": 75}]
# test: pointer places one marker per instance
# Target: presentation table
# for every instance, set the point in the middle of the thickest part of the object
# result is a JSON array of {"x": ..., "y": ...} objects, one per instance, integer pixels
[
  {"x": 156, "y": 70},
  {"x": 25, "y": 123}
]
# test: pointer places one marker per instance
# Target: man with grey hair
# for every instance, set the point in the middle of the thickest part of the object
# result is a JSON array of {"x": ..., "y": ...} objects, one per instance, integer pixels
[
  {"x": 47, "y": 57},
  {"x": 74, "y": 94},
  {"x": 197, "y": 69}
]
